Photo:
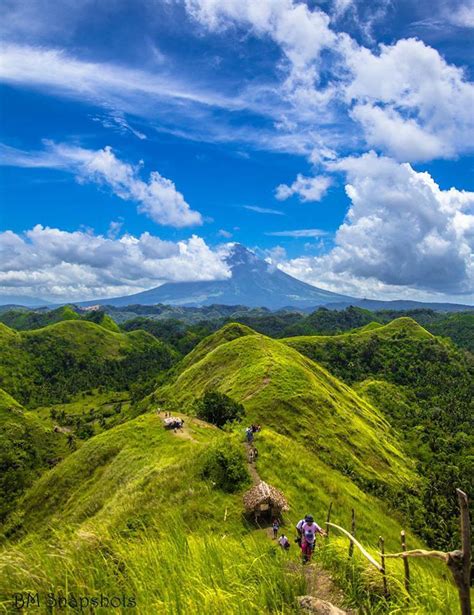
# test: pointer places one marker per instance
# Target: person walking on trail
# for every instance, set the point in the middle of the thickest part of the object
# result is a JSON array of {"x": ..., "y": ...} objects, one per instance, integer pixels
[
  {"x": 284, "y": 542},
  {"x": 275, "y": 527},
  {"x": 307, "y": 530},
  {"x": 249, "y": 435}
]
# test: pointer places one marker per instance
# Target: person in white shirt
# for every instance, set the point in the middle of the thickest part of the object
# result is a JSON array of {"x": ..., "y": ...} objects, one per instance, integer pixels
[
  {"x": 307, "y": 530},
  {"x": 284, "y": 542}
]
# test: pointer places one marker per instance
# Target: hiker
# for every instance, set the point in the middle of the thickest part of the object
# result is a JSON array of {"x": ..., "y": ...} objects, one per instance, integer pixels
[
  {"x": 251, "y": 455},
  {"x": 284, "y": 542},
  {"x": 255, "y": 453},
  {"x": 249, "y": 434},
  {"x": 275, "y": 527},
  {"x": 307, "y": 530}
]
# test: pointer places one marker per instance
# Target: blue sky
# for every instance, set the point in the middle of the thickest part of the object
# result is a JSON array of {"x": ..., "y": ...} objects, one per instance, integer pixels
[{"x": 334, "y": 138}]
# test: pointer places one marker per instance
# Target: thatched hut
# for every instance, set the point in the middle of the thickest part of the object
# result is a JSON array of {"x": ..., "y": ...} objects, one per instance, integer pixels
[{"x": 264, "y": 500}]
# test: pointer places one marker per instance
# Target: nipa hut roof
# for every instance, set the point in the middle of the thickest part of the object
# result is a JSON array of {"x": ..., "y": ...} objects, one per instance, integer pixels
[{"x": 263, "y": 493}]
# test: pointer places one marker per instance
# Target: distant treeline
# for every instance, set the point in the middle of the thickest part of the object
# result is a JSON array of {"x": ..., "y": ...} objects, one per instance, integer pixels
[{"x": 183, "y": 328}]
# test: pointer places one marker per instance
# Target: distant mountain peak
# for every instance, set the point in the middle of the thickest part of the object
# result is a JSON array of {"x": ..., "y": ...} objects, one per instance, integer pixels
[
  {"x": 253, "y": 283},
  {"x": 240, "y": 255}
]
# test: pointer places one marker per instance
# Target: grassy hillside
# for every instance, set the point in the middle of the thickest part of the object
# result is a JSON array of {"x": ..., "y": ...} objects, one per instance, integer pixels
[
  {"x": 49, "y": 365},
  {"x": 425, "y": 387},
  {"x": 26, "y": 449},
  {"x": 282, "y": 389},
  {"x": 130, "y": 512},
  {"x": 22, "y": 320},
  {"x": 140, "y": 511}
]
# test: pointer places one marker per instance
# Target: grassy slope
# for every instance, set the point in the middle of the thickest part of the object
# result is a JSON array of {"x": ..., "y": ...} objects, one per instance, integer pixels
[
  {"x": 294, "y": 396},
  {"x": 29, "y": 319},
  {"x": 51, "y": 363},
  {"x": 401, "y": 352},
  {"x": 129, "y": 511},
  {"x": 26, "y": 448}
]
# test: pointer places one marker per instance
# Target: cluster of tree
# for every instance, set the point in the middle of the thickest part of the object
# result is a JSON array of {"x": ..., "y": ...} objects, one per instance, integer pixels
[
  {"x": 433, "y": 413},
  {"x": 54, "y": 368},
  {"x": 218, "y": 408},
  {"x": 184, "y": 328},
  {"x": 181, "y": 336}
]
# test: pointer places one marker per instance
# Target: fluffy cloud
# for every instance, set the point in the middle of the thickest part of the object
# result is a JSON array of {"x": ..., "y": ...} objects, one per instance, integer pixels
[
  {"x": 462, "y": 16},
  {"x": 78, "y": 265},
  {"x": 410, "y": 102},
  {"x": 157, "y": 198},
  {"x": 300, "y": 32},
  {"x": 401, "y": 231},
  {"x": 307, "y": 188}
]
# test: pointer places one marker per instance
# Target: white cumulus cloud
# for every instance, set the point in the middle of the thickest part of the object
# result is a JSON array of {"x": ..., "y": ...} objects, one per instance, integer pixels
[
  {"x": 401, "y": 232},
  {"x": 63, "y": 266},
  {"x": 410, "y": 102},
  {"x": 306, "y": 188},
  {"x": 158, "y": 197}
]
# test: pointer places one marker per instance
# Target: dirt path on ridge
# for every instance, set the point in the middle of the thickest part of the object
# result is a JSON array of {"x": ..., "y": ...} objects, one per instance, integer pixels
[{"x": 319, "y": 582}]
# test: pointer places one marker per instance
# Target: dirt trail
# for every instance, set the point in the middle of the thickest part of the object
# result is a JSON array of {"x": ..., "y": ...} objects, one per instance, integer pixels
[
  {"x": 319, "y": 582},
  {"x": 321, "y": 585},
  {"x": 251, "y": 465}
]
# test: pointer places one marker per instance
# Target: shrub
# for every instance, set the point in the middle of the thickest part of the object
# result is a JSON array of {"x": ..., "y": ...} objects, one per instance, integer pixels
[
  {"x": 219, "y": 409},
  {"x": 224, "y": 464}
]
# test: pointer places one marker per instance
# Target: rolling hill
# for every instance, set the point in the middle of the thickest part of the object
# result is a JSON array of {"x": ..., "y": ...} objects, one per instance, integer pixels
[
  {"x": 52, "y": 363},
  {"x": 290, "y": 394},
  {"x": 135, "y": 509}
]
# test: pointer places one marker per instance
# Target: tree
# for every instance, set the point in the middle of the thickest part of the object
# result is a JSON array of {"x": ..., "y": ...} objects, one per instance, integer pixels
[{"x": 219, "y": 409}]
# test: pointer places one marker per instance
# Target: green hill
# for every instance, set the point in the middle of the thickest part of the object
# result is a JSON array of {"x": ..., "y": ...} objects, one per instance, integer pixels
[
  {"x": 50, "y": 364},
  {"x": 26, "y": 448},
  {"x": 426, "y": 390},
  {"x": 22, "y": 320},
  {"x": 142, "y": 512},
  {"x": 285, "y": 391},
  {"x": 459, "y": 327},
  {"x": 132, "y": 510}
]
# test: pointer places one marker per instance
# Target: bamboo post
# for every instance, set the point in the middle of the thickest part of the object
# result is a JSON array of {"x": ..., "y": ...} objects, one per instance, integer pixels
[
  {"x": 353, "y": 527},
  {"x": 459, "y": 562},
  {"x": 383, "y": 571},
  {"x": 405, "y": 561},
  {"x": 328, "y": 519}
]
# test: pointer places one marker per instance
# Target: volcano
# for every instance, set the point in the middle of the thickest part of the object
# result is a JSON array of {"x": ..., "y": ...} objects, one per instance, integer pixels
[{"x": 253, "y": 283}]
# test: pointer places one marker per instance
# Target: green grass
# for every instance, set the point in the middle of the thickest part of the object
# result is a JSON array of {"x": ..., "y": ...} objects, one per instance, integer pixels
[
  {"x": 294, "y": 396},
  {"x": 26, "y": 449},
  {"x": 51, "y": 364},
  {"x": 131, "y": 511}
]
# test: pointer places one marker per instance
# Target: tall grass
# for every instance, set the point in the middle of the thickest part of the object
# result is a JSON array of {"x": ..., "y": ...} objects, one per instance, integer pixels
[{"x": 167, "y": 572}]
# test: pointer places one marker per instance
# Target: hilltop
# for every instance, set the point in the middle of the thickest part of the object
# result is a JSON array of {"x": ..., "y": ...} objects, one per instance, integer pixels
[
  {"x": 52, "y": 363},
  {"x": 292, "y": 395}
]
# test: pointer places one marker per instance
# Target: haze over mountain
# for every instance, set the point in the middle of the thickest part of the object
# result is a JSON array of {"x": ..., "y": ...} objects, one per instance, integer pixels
[{"x": 254, "y": 283}]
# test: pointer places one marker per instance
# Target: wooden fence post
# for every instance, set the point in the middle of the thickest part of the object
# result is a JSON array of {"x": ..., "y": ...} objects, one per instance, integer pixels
[
  {"x": 383, "y": 571},
  {"x": 459, "y": 562},
  {"x": 353, "y": 527},
  {"x": 328, "y": 519},
  {"x": 405, "y": 561}
]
